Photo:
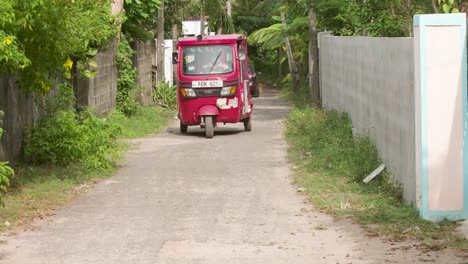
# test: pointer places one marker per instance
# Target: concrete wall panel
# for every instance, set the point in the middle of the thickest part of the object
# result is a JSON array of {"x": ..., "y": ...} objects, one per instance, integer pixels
[
  {"x": 20, "y": 112},
  {"x": 143, "y": 61},
  {"x": 100, "y": 91},
  {"x": 372, "y": 79}
]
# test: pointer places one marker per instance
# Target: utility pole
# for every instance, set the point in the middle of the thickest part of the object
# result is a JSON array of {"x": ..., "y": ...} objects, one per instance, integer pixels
[
  {"x": 229, "y": 8},
  {"x": 160, "y": 70}
]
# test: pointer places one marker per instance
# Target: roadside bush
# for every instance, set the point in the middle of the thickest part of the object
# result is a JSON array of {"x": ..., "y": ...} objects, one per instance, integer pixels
[
  {"x": 64, "y": 137},
  {"x": 166, "y": 95},
  {"x": 5, "y": 170}
]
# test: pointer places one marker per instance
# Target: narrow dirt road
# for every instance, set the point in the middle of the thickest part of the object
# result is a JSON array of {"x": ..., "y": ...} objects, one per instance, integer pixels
[{"x": 187, "y": 199}]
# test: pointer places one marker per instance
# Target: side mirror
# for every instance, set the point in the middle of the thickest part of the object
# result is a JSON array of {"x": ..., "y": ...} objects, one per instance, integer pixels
[
  {"x": 242, "y": 54},
  {"x": 175, "y": 57}
]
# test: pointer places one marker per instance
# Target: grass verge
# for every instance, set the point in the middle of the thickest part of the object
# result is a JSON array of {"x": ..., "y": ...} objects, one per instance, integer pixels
[
  {"x": 148, "y": 121},
  {"x": 330, "y": 165},
  {"x": 37, "y": 190}
]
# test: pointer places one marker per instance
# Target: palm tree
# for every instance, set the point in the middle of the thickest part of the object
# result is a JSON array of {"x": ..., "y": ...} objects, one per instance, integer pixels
[
  {"x": 215, "y": 9},
  {"x": 276, "y": 36}
]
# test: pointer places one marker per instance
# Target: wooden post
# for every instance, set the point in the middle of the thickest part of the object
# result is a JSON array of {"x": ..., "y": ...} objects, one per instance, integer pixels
[{"x": 160, "y": 70}]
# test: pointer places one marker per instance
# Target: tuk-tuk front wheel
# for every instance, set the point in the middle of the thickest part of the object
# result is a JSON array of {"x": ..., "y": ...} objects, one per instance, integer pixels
[
  {"x": 209, "y": 127},
  {"x": 248, "y": 124},
  {"x": 183, "y": 128}
]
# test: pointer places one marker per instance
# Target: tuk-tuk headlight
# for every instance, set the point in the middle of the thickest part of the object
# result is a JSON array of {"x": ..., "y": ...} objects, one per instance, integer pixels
[
  {"x": 188, "y": 92},
  {"x": 229, "y": 90}
]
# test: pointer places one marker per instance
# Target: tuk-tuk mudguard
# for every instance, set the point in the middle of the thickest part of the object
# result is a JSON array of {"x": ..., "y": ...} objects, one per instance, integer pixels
[{"x": 208, "y": 110}]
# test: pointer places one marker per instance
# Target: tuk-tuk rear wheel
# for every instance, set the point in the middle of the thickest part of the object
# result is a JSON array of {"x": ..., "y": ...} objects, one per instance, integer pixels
[
  {"x": 183, "y": 128},
  {"x": 248, "y": 124},
  {"x": 209, "y": 127}
]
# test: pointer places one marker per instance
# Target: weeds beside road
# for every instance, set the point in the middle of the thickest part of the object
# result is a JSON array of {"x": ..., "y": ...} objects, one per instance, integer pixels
[{"x": 330, "y": 165}]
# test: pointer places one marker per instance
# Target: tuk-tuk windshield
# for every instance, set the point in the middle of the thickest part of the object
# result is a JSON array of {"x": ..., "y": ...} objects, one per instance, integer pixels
[{"x": 207, "y": 59}]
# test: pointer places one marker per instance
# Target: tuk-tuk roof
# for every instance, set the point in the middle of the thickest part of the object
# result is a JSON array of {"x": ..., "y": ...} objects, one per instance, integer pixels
[{"x": 211, "y": 39}]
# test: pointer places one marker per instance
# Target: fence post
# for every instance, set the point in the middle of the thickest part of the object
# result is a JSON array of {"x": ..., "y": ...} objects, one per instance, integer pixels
[{"x": 320, "y": 35}]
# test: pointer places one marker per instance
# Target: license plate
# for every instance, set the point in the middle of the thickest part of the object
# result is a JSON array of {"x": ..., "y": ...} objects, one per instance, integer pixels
[{"x": 213, "y": 83}]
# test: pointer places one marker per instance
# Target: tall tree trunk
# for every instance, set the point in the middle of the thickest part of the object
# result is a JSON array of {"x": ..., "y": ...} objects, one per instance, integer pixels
[
  {"x": 202, "y": 25},
  {"x": 407, "y": 6},
  {"x": 313, "y": 60},
  {"x": 435, "y": 6},
  {"x": 280, "y": 70},
  {"x": 160, "y": 69},
  {"x": 229, "y": 8},
  {"x": 228, "y": 12},
  {"x": 292, "y": 67}
]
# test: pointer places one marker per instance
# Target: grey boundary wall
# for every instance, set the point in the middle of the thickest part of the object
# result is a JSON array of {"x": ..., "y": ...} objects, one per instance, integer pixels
[
  {"x": 21, "y": 110},
  {"x": 372, "y": 79},
  {"x": 143, "y": 61},
  {"x": 99, "y": 92}
]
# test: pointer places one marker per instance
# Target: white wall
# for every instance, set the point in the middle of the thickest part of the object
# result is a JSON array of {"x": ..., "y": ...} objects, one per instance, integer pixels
[{"x": 168, "y": 72}]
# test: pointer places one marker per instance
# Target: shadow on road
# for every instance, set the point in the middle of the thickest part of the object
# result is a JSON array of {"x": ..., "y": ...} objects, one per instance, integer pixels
[{"x": 269, "y": 107}]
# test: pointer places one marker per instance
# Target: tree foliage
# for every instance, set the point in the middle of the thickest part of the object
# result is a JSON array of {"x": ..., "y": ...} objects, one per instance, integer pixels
[
  {"x": 45, "y": 34},
  {"x": 140, "y": 18},
  {"x": 215, "y": 9},
  {"x": 388, "y": 18},
  {"x": 376, "y": 18},
  {"x": 249, "y": 15}
]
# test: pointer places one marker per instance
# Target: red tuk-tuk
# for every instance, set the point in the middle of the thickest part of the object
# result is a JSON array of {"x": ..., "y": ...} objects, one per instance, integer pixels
[{"x": 213, "y": 82}]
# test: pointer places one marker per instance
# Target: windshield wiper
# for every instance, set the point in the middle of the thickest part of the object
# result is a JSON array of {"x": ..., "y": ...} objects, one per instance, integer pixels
[{"x": 215, "y": 62}]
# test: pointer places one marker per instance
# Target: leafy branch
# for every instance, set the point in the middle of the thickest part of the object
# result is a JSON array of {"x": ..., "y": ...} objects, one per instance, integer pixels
[{"x": 448, "y": 6}]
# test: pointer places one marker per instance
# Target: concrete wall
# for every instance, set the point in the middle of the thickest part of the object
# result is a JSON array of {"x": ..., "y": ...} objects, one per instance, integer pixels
[
  {"x": 20, "y": 112},
  {"x": 143, "y": 61},
  {"x": 100, "y": 92},
  {"x": 373, "y": 80}
]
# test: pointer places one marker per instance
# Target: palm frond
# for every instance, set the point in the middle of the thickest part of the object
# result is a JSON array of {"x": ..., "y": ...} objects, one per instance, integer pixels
[{"x": 270, "y": 38}]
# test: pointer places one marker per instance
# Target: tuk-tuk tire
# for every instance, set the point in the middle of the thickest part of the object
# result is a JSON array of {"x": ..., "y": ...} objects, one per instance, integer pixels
[
  {"x": 183, "y": 128},
  {"x": 209, "y": 127},
  {"x": 248, "y": 124}
]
